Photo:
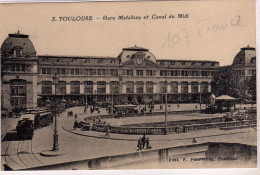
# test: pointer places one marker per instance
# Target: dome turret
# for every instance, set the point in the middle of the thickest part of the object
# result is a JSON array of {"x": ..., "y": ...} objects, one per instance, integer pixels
[
  {"x": 245, "y": 56},
  {"x": 17, "y": 45}
]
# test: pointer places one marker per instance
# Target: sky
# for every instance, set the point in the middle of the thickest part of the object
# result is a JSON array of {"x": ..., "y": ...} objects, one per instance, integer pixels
[{"x": 214, "y": 30}]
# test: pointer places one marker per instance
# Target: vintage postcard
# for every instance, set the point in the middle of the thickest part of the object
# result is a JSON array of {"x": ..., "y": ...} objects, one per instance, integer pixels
[{"x": 128, "y": 85}]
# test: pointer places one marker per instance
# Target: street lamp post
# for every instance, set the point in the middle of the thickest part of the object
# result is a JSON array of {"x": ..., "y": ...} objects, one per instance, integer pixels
[
  {"x": 166, "y": 112},
  {"x": 86, "y": 102},
  {"x": 112, "y": 107},
  {"x": 63, "y": 103},
  {"x": 95, "y": 93},
  {"x": 55, "y": 135},
  {"x": 200, "y": 98},
  {"x": 48, "y": 104}
]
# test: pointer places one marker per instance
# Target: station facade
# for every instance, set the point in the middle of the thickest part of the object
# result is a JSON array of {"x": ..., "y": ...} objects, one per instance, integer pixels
[
  {"x": 244, "y": 63},
  {"x": 135, "y": 75}
]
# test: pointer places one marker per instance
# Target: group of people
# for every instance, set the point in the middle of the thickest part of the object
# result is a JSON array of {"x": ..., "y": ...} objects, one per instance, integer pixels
[
  {"x": 143, "y": 143},
  {"x": 94, "y": 108},
  {"x": 148, "y": 108},
  {"x": 70, "y": 114}
]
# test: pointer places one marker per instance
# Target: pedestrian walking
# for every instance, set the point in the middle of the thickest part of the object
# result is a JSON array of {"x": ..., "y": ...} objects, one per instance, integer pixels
[
  {"x": 177, "y": 130},
  {"x": 143, "y": 141},
  {"x": 107, "y": 132},
  {"x": 75, "y": 124},
  {"x": 148, "y": 146},
  {"x": 194, "y": 140},
  {"x": 212, "y": 110},
  {"x": 139, "y": 144},
  {"x": 85, "y": 109},
  {"x": 76, "y": 116}
]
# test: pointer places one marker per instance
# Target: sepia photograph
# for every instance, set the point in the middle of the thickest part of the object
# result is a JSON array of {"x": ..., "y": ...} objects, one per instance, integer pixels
[{"x": 128, "y": 85}]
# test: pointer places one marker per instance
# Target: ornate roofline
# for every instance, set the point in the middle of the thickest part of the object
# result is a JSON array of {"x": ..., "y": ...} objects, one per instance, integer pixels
[
  {"x": 205, "y": 61},
  {"x": 77, "y": 57}
]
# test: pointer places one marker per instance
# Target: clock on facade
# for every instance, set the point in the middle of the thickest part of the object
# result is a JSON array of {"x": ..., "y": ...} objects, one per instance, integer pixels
[{"x": 139, "y": 61}]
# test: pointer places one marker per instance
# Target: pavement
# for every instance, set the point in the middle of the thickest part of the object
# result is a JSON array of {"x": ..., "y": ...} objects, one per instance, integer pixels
[{"x": 79, "y": 145}]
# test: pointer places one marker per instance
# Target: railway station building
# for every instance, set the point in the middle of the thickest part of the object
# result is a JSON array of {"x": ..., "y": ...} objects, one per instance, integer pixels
[
  {"x": 244, "y": 62},
  {"x": 135, "y": 75}
]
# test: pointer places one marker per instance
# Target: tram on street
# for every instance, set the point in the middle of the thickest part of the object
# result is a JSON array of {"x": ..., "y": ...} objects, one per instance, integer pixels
[
  {"x": 25, "y": 129},
  {"x": 42, "y": 119}
]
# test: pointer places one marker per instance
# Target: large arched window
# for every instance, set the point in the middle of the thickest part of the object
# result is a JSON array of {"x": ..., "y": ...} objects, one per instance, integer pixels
[
  {"x": 194, "y": 87},
  {"x": 162, "y": 87},
  {"x": 101, "y": 87},
  {"x": 139, "y": 87},
  {"x": 129, "y": 87},
  {"x": 46, "y": 87},
  {"x": 204, "y": 87},
  {"x": 61, "y": 88},
  {"x": 88, "y": 87},
  {"x": 74, "y": 87},
  {"x": 114, "y": 87},
  {"x": 174, "y": 87},
  {"x": 253, "y": 60},
  {"x": 184, "y": 87},
  {"x": 149, "y": 87}
]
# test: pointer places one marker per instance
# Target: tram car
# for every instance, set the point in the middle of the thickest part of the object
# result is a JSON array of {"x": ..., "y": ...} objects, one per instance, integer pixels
[
  {"x": 25, "y": 129},
  {"x": 42, "y": 119}
]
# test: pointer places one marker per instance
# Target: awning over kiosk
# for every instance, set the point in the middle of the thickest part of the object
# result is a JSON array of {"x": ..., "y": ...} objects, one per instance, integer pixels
[
  {"x": 226, "y": 103},
  {"x": 226, "y": 98}
]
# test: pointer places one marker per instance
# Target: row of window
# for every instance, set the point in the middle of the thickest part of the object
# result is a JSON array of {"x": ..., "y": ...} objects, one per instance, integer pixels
[
  {"x": 16, "y": 67},
  {"x": 242, "y": 72},
  {"x": 114, "y": 87},
  {"x": 129, "y": 72},
  {"x": 183, "y": 73},
  {"x": 186, "y": 63},
  {"x": 251, "y": 71},
  {"x": 77, "y": 71}
]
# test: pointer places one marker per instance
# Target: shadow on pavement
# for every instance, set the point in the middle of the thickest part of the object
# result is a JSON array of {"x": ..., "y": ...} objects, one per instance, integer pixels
[{"x": 12, "y": 136}]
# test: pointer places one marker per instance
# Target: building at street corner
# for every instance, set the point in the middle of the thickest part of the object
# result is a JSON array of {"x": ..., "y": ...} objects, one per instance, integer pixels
[
  {"x": 244, "y": 68},
  {"x": 244, "y": 63},
  {"x": 135, "y": 75}
]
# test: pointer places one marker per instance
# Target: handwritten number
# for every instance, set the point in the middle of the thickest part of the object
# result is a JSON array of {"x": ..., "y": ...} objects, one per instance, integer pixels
[
  {"x": 175, "y": 39},
  {"x": 187, "y": 36}
]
